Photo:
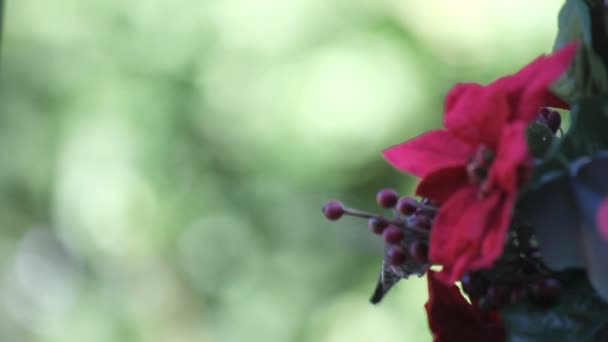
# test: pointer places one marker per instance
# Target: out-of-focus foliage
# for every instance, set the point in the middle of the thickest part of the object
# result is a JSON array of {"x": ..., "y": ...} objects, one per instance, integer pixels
[{"x": 164, "y": 162}]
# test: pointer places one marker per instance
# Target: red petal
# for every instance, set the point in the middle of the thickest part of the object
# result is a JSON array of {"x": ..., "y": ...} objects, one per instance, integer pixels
[
  {"x": 512, "y": 162},
  {"x": 476, "y": 113},
  {"x": 602, "y": 219},
  {"x": 428, "y": 152},
  {"x": 439, "y": 185},
  {"x": 494, "y": 240},
  {"x": 451, "y": 318},
  {"x": 529, "y": 87},
  {"x": 460, "y": 228}
]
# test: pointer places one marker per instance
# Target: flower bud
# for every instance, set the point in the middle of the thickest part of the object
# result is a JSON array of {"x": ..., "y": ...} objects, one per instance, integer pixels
[{"x": 333, "y": 210}]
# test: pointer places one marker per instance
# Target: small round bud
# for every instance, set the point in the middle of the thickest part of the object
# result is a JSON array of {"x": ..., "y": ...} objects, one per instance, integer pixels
[
  {"x": 395, "y": 255},
  {"x": 407, "y": 205},
  {"x": 392, "y": 235},
  {"x": 554, "y": 121},
  {"x": 376, "y": 225},
  {"x": 421, "y": 221},
  {"x": 544, "y": 112},
  {"x": 419, "y": 250},
  {"x": 333, "y": 210},
  {"x": 387, "y": 198}
]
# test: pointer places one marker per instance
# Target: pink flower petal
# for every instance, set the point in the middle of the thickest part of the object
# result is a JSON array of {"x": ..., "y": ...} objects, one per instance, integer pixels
[
  {"x": 451, "y": 318},
  {"x": 494, "y": 239},
  {"x": 476, "y": 113},
  {"x": 460, "y": 228},
  {"x": 513, "y": 162},
  {"x": 529, "y": 87},
  {"x": 428, "y": 152},
  {"x": 441, "y": 184}
]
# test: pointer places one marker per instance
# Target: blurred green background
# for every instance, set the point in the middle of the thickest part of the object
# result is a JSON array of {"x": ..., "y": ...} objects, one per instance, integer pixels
[{"x": 164, "y": 162}]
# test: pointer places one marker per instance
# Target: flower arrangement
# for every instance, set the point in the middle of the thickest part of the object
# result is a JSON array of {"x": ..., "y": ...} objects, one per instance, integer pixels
[{"x": 511, "y": 206}]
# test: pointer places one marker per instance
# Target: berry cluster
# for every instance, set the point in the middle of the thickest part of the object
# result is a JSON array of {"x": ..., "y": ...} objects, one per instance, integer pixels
[
  {"x": 550, "y": 118},
  {"x": 492, "y": 295},
  {"x": 405, "y": 234},
  {"x": 518, "y": 275}
]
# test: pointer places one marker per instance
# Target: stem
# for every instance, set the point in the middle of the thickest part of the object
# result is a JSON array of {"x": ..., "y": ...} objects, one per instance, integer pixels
[
  {"x": 363, "y": 214},
  {"x": 399, "y": 223},
  {"x": 428, "y": 208}
]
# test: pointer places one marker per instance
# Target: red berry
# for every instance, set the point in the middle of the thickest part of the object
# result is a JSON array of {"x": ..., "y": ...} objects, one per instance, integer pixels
[
  {"x": 333, "y": 210},
  {"x": 419, "y": 250},
  {"x": 387, "y": 198},
  {"x": 407, "y": 205},
  {"x": 377, "y": 225},
  {"x": 395, "y": 255},
  {"x": 554, "y": 121},
  {"x": 421, "y": 221},
  {"x": 392, "y": 235},
  {"x": 545, "y": 112}
]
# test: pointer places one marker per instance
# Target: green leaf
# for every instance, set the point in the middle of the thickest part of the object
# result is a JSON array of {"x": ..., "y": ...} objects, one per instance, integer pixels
[
  {"x": 551, "y": 209},
  {"x": 588, "y": 133},
  {"x": 590, "y": 188},
  {"x": 594, "y": 2},
  {"x": 585, "y": 78},
  {"x": 562, "y": 209},
  {"x": 581, "y": 315},
  {"x": 540, "y": 138},
  {"x": 587, "y": 75},
  {"x": 574, "y": 23}
]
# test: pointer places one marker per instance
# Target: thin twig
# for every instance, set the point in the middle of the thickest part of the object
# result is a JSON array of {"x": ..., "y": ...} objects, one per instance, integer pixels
[{"x": 399, "y": 223}]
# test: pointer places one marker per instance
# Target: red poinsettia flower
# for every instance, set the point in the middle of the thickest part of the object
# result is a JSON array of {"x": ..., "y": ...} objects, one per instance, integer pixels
[
  {"x": 475, "y": 166},
  {"x": 452, "y": 319}
]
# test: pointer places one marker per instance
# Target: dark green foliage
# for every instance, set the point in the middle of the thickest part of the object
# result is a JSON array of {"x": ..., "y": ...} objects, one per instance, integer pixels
[
  {"x": 569, "y": 183},
  {"x": 551, "y": 210},
  {"x": 574, "y": 23},
  {"x": 540, "y": 139},
  {"x": 579, "y": 316}
]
